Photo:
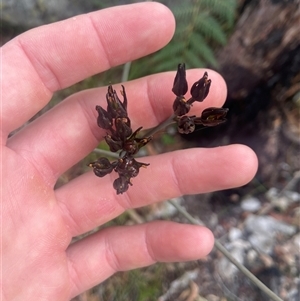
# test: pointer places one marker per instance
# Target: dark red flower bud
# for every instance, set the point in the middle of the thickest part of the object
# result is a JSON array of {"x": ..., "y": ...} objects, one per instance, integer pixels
[
  {"x": 129, "y": 167},
  {"x": 133, "y": 144},
  {"x": 186, "y": 124},
  {"x": 212, "y": 116},
  {"x": 123, "y": 129},
  {"x": 121, "y": 184},
  {"x": 181, "y": 106},
  {"x": 102, "y": 167},
  {"x": 115, "y": 107},
  {"x": 180, "y": 85},
  {"x": 134, "y": 169},
  {"x": 104, "y": 120},
  {"x": 123, "y": 93},
  {"x": 113, "y": 143},
  {"x": 200, "y": 89}
]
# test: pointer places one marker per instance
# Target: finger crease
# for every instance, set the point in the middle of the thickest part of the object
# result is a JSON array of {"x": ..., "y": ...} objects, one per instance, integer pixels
[
  {"x": 101, "y": 45},
  {"x": 74, "y": 274},
  {"x": 148, "y": 247},
  {"x": 35, "y": 62},
  {"x": 111, "y": 257},
  {"x": 152, "y": 106},
  {"x": 175, "y": 171}
]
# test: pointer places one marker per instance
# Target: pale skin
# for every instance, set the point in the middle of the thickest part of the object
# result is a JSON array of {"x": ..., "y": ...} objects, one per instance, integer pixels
[{"x": 37, "y": 260}]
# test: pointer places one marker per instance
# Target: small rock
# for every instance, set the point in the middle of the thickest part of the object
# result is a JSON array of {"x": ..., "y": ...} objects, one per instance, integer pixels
[
  {"x": 292, "y": 195},
  {"x": 272, "y": 194},
  {"x": 212, "y": 297},
  {"x": 262, "y": 242},
  {"x": 179, "y": 284},
  {"x": 263, "y": 230},
  {"x": 234, "y": 234},
  {"x": 268, "y": 224},
  {"x": 252, "y": 258},
  {"x": 281, "y": 203},
  {"x": 251, "y": 204}
]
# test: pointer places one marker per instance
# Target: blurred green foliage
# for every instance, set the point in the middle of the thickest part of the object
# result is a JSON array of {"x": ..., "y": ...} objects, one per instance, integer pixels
[
  {"x": 139, "y": 285},
  {"x": 201, "y": 27}
]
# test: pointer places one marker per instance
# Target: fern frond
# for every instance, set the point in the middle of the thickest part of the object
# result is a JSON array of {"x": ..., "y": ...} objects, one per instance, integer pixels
[
  {"x": 224, "y": 9},
  {"x": 193, "y": 60},
  {"x": 183, "y": 11},
  {"x": 201, "y": 25},
  {"x": 201, "y": 48},
  {"x": 174, "y": 49},
  {"x": 168, "y": 65},
  {"x": 210, "y": 28}
]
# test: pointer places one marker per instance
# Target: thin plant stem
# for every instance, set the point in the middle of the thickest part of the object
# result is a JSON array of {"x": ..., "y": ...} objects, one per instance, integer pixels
[
  {"x": 106, "y": 153},
  {"x": 219, "y": 247},
  {"x": 161, "y": 126},
  {"x": 125, "y": 73}
]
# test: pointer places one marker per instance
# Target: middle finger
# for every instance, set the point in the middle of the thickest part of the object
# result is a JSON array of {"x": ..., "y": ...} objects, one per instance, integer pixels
[{"x": 88, "y": 201}]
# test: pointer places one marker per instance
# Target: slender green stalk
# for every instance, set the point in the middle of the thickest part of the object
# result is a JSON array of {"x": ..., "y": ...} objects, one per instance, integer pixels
[
  {"x": 161, "y": 126},
  {"x": 126, "y": 71},
  {"x": 106, "y": 153},
  {"x": 218, "y": 246}
]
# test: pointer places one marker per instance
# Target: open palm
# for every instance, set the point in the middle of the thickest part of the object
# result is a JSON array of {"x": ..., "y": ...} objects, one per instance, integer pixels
[{"x": 38, "y": 222}]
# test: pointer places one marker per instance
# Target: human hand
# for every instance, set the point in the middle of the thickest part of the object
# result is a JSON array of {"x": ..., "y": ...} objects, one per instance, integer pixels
[{"x": 38, "y": 222}]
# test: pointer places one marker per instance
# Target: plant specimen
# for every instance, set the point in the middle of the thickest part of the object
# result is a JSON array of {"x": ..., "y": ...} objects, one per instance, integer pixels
[{"x": 121, "y": 137}]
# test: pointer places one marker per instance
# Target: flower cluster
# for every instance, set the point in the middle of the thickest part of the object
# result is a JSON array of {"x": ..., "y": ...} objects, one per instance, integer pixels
[
  {"x": 181, "y": 106},
  {"x": 119, "y": 137}
]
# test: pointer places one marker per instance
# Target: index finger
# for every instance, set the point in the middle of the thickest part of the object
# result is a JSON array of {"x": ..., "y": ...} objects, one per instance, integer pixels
[{"x": 55, "y": 56}]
